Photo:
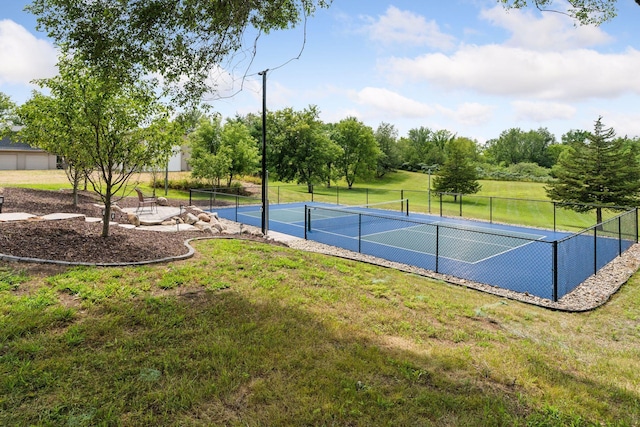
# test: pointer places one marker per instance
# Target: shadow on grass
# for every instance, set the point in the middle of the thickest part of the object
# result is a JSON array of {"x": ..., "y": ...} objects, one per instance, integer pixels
[{"x": 217, "y": 358}]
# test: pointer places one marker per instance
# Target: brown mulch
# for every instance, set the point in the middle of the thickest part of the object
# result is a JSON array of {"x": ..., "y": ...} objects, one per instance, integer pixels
[{"x": 75, "y": 240}]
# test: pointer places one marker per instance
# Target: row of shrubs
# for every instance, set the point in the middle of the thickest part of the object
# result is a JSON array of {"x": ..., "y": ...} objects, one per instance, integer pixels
[{"x": 530, "y": 172}]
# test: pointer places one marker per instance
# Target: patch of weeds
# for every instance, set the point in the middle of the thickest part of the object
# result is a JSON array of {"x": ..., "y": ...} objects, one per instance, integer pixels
[
  {"x": 95, "y": 284},
  {"x": 74, "y": 335},
  {"x": 551, "y": 416},
  {"x": 10, "y": 279},
  {"x": 216, "y": 285}
]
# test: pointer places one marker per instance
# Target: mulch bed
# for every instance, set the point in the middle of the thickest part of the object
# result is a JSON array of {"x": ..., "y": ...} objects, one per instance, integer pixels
[{"x": 75, "y": 240}]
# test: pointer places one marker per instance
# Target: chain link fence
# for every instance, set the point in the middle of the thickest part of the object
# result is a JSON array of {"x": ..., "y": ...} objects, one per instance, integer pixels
[
  {"x": 515, "y": 261},
  {"x": 522, "y": 262}
]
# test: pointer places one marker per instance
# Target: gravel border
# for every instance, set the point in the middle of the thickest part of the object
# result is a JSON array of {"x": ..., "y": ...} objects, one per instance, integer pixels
[{"x": 589, "y": 295}]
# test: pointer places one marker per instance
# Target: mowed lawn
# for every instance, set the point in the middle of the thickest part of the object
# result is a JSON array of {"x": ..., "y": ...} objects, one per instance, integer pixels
[{"x": 251, "y": 334}]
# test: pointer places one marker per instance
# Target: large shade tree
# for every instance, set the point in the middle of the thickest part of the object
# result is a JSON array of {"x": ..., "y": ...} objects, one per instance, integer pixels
[
  {"x": 585, "y": 12},
  {"x": 300, "y": 147},
  {"x": 598, "y": 170},
  {"x": 180, "y": 40},
  {"x": 359, "y": 150}
]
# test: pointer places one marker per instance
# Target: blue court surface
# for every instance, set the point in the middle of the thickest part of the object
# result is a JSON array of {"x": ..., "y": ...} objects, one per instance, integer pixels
[{"x": 510, "y": 257}]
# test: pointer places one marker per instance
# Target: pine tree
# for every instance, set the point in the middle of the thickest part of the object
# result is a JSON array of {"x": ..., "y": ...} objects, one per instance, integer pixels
[
  {"x": 596, "y": 171},
  {"x": 458, "y": 174}
]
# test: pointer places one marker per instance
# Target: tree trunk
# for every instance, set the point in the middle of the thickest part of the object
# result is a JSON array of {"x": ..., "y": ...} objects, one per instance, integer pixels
[
  {"x": 598, "y": 215},
  {"x": 106, "y": 218},
  {"x": 107, "y": 210},
  {"x": 76, "y": 184}
]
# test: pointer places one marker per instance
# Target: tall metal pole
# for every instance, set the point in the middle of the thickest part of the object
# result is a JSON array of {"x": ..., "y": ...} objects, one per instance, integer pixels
[{"x": 265, "y": 177}]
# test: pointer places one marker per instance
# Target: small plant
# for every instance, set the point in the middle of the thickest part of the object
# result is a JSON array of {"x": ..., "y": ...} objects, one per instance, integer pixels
[{"x": 10, "y": 279}]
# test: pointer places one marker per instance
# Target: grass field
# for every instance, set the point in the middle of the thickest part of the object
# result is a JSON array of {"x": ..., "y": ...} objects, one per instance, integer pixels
[
  {"x": 252, "y": 334},
  {"x": 522, "y": 203}
]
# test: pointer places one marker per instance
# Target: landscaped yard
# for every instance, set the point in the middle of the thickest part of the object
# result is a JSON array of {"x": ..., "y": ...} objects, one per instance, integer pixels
[{"x": 248, "y": 333}]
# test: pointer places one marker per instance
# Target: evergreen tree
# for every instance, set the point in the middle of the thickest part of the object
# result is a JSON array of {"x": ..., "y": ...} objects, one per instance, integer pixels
[
  {"x": 596, "y": 170},
  {"x": 458, "y": 173}
]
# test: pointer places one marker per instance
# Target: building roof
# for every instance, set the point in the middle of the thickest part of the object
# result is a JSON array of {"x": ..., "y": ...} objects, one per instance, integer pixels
[{"x": 7, "y": 145}]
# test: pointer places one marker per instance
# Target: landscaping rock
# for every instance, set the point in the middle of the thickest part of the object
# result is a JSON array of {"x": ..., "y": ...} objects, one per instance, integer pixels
[
  {"x": 133, "y": 219},
  {"x": 204, "y": 217},
  {"x": 191, "y": 219}
]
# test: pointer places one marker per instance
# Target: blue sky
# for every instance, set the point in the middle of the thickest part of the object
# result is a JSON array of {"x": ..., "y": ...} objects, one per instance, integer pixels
[{"x": 467, "y": 66}]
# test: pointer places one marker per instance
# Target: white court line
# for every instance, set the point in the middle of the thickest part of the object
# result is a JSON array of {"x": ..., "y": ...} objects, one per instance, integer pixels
[{"x": 477, "y": 242}]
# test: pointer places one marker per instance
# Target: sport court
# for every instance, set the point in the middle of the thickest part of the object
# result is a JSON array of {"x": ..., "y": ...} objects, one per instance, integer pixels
[{"x": 510, "y": 257}]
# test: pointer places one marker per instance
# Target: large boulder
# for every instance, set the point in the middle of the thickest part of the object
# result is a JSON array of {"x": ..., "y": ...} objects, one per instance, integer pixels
[
  {"x": 162, "y": 201},
  {"x": 191, "y": 219},
  {"x": 204, "y": 217},
  {"x": 133, "y": 219}
]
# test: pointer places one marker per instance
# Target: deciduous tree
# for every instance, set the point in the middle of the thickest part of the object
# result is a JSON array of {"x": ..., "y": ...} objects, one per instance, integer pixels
[
  {"x": 586, "y": 12},
  {"x": 360, "y": 151},
  {"x": 300, "y": 147},
  {"x": 112, "y": 123},
  {"x": 8, "y": 117},
  {"x": 183, "y": 41},
  {"x": 52, "y": 123}
]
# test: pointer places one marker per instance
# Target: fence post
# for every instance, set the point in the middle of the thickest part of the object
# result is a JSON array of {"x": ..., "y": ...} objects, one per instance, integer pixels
[
  {"x": 359, "y": 233},
  {"x": 491, "y": 210},
  {"x": 636, "y": 225},
  {"x": 237, "y": 205},
  {"x": 190, "y": 204},
  {"x": 437, "y": 244},
  {"x": 441, "y": 204},
  {"x": 595, "y": 249},
  {"x": 460, "y": 204},
  {"x": 366, "y": 197},
  {"x": 554, "y": 217},
  {"x": 337, "y": 194},
  {"x": 555, "y": 271},
  {"x": 307, "y": 223},
  {"x": 619, "y": 235}
]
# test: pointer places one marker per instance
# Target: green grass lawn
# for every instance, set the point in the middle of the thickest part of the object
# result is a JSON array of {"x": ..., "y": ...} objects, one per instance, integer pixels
[
  {"x": 252, "y": 334},
  {"x": 521, "y": 203}
]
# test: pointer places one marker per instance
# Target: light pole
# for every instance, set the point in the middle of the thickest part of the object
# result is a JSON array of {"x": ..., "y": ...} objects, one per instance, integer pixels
[{"x": 265, "y": 175}]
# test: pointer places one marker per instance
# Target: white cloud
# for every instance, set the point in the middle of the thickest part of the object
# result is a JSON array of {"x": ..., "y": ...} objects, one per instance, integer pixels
[
  {"x": 469, "y": 113},
  {"x": 24, "y": 57},
  {"x": 625, "y": 124},
  {"x": 550, "y": 32},
  {"x": 542, "y": 111},
  {"x": 404, "y": 27},
  {"x": 508, "y": 71},
  {"x": 390, "y": 103}
]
